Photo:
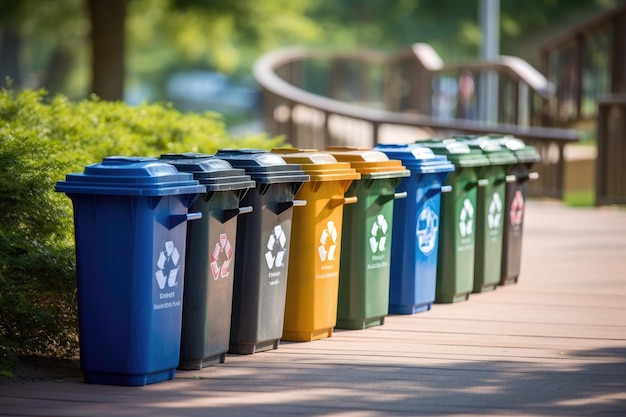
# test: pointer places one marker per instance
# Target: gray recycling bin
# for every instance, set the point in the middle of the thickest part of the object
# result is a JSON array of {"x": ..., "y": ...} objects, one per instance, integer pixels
[
  {"x": 210, "y": 258},
  {"x": 130, "y": 218},
  {"x": 262, "y": 253}
]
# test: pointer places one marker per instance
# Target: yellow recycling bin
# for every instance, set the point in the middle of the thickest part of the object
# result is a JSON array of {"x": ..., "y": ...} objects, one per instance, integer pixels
[{"x": 313, "y": 284}]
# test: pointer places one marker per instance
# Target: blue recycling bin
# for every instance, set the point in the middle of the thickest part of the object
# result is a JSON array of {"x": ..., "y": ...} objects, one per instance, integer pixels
[
  {"x": 415, "y": 231},
  {"x": 130, "y": 218}
]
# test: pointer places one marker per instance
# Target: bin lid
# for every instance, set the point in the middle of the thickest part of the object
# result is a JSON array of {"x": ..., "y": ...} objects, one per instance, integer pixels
[
  {"x": 263, "y": 166},
  {"x": 496, "y": 154},
  {"x": 417, "y": 158},
  {"x": 320, "y": 166},
  {"x": 459, "y": 153},
  {"x": 368, "y": 162},
  {"x": 523, "y": 152},
  {"x": 214, "y": 173},
  {"x": 123, "y": 175}
]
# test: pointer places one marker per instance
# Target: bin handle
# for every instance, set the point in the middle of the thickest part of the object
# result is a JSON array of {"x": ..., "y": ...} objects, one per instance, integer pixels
[
  {"x": 483, "y": 182},
  {"x": 228, "y": 214},
  {"x": 176, "y": 219},
  {"x": 338, "y": 200},
  {"x": 299, "y": 203},
  {"x": 283, "y": 206},
  {"x": 446, "y": 188},
  {"x": 533, "y": 175},
  {"x": 399, "y": 195},
  {"x": 510, "y": 179}
]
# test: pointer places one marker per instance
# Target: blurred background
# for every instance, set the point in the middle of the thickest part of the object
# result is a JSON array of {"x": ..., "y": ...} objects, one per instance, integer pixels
[{"x": 198, "y": 54}]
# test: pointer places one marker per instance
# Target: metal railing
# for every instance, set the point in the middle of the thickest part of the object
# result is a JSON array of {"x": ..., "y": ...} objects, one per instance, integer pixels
[{"x": 353, "y": 103}]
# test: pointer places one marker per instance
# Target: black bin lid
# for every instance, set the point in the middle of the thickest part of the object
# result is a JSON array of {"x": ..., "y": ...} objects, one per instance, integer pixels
[
  {"x": 262, "y": 166},
  {"x": 214, "y": 173}
]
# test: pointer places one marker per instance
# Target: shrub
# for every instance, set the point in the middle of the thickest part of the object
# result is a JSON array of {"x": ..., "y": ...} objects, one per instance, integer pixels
[{"x": 39, "y": 143}]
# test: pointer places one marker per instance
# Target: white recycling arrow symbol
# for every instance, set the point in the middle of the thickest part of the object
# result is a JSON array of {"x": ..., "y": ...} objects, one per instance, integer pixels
[
  {"x": 495, "y": 211},
  {"x": 167, "y": 265},
  {"x": 378, "y": 237},
  {"x": 466, "y": 218},
  {"x": 275, "y": 254},
  {"x": 328, "y": 239}
]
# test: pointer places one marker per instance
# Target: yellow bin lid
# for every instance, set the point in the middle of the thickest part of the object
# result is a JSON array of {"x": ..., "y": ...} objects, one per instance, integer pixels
[
  {"x": 320, "y": 166},
  {"x": 367, "y": 161}
]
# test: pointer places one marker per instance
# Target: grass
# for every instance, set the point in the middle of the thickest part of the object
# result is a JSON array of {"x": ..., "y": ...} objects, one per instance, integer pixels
[{"x": 580, "y": 198}]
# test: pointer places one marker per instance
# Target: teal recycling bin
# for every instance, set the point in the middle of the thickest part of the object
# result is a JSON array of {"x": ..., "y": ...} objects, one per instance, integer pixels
[
  {"x": 210, "y": 258},
  {"x": 130, "y": 219},
  {"x": 262, "y": 253}
]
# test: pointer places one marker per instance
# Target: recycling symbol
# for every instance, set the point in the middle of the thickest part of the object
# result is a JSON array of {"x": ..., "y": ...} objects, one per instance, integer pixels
[
  {"x": 466, "y": 218},
  {"x": 167, "y": 265},
  {"x": 517, "y": 209},
  {"x": 379, "y": 234},
  {"x": 328, "y": 240},
  {"x": 276, "y": 248},
  {"x": 427, "y": 227},
  {"x": 223, "y": 251},
  {"x": 495, "y": 211}
]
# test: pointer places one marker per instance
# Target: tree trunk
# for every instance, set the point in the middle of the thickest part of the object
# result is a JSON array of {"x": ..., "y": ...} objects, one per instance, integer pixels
[
  {"x": 108, "y": 47},
  {"x": 10, "y": 45}
]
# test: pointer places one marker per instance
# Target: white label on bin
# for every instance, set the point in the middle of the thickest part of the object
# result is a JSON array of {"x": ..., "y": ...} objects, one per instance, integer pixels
[
  {"x": 466, "y": 219},
  {"x": 221, "y": 258},
  {"x": 517, "y": 209},
  {"x": 427, "y": 229},
  {"x": 328, "y": 242},
  {"x": 495, "y": 212},
  {"x": 167, "y": 266}
]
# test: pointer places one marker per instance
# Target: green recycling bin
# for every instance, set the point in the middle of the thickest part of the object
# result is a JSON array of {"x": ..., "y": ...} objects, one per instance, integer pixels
[
  {"x": 210, "y": 258},
  {"x": 515, "y": 203},
  {"x": 366, "y": 247},
  {"x": 490, "y": 211},
  {"x": 457, "y": 245}
]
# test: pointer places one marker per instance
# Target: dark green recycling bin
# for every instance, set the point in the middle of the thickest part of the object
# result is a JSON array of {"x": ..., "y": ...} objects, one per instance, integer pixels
[
  {"x": 490, "y": 211},
  {"x": 515, "y": 202},
  {"x": 457, "y": 245},
  {"x": 365, "y": 259},
  {"x": 262, "y": 253},
  {"x": 210, "y": 258}
]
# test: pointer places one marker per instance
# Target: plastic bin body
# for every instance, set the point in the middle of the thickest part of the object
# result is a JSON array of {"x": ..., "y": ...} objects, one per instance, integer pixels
[
  {"x": 210, "y": 258},
  {"x": 365, "y": 260},
  {"x": 490, "y": 204},
  {"x": 417, "y": 223},
  {"x": 314, "y": 261},
  {"x": 515, "y": 202},
  {"x": 130, "y": 248},
  {"x": 263, "y": 247},
  {"x": 457, "y": 244}
]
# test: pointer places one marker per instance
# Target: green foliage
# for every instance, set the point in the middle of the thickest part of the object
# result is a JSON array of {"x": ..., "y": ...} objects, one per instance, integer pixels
[{"x": 39, "y": 143}]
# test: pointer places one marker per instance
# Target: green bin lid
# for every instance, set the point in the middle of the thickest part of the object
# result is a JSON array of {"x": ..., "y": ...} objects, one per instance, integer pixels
[
  {"x": 263, "y": 166},
  {"x": 214, "y": 173},
  {"x": 136, "y": 176},
  {"x": 496, "y": 154},
  {"x": 320, "y": 166},
  {"x": 459, "y": 153},
  {"x": 368, "y": 162},
  {"x": 523, "y": 152}
]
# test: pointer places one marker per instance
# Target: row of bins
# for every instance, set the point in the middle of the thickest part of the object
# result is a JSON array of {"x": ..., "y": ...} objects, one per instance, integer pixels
[{"x": 187, "y": 257}]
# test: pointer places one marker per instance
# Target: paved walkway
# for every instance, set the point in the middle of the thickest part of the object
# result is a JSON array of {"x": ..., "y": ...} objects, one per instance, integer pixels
[{"x": 552, "y": 345}]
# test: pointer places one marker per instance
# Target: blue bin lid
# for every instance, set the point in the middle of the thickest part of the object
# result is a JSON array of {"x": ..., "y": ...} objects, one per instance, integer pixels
[
  {"x": 136, "y": 176},
  {"x": 262, "y": 166},
  {"x": 214, "y": 173},
  {"x": 417, "y": 158}
]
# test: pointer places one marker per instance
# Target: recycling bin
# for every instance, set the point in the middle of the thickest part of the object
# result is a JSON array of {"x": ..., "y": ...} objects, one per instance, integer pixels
[
  {"x": 416, "y": 228},
  {"x": 262, "y": 252},
  {"x": 367, "y": 226},
  {"x": 515, "y": 202},
  {"x": 130, "y": 218},
  {"x": 490, "y": 211},
  {"x": 210, "y": 258},
  {"x": 457, "y": 228},
  {"x": 314, "y": 262}
]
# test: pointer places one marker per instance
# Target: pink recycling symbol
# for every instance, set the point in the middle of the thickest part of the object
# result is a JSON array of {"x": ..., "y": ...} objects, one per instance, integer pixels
[
  {"x": 517, "y": 209},
  {"x": 223, "y": 250}
]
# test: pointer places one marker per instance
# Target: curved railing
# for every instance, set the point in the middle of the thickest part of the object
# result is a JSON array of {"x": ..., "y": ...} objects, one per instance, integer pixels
[{"x": 318, "y": 98}]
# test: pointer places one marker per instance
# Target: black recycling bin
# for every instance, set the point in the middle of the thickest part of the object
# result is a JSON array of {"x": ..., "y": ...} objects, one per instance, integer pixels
[
  {"x": 515, "y": 201},
  {"x": 262, "y": 253},
  {"x": 210, "y": 258},
  {"x": 130, "y": 217}
]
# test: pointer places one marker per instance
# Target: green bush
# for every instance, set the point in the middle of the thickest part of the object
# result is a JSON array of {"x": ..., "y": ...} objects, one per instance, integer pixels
[{"x": 39, "y": 143}]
